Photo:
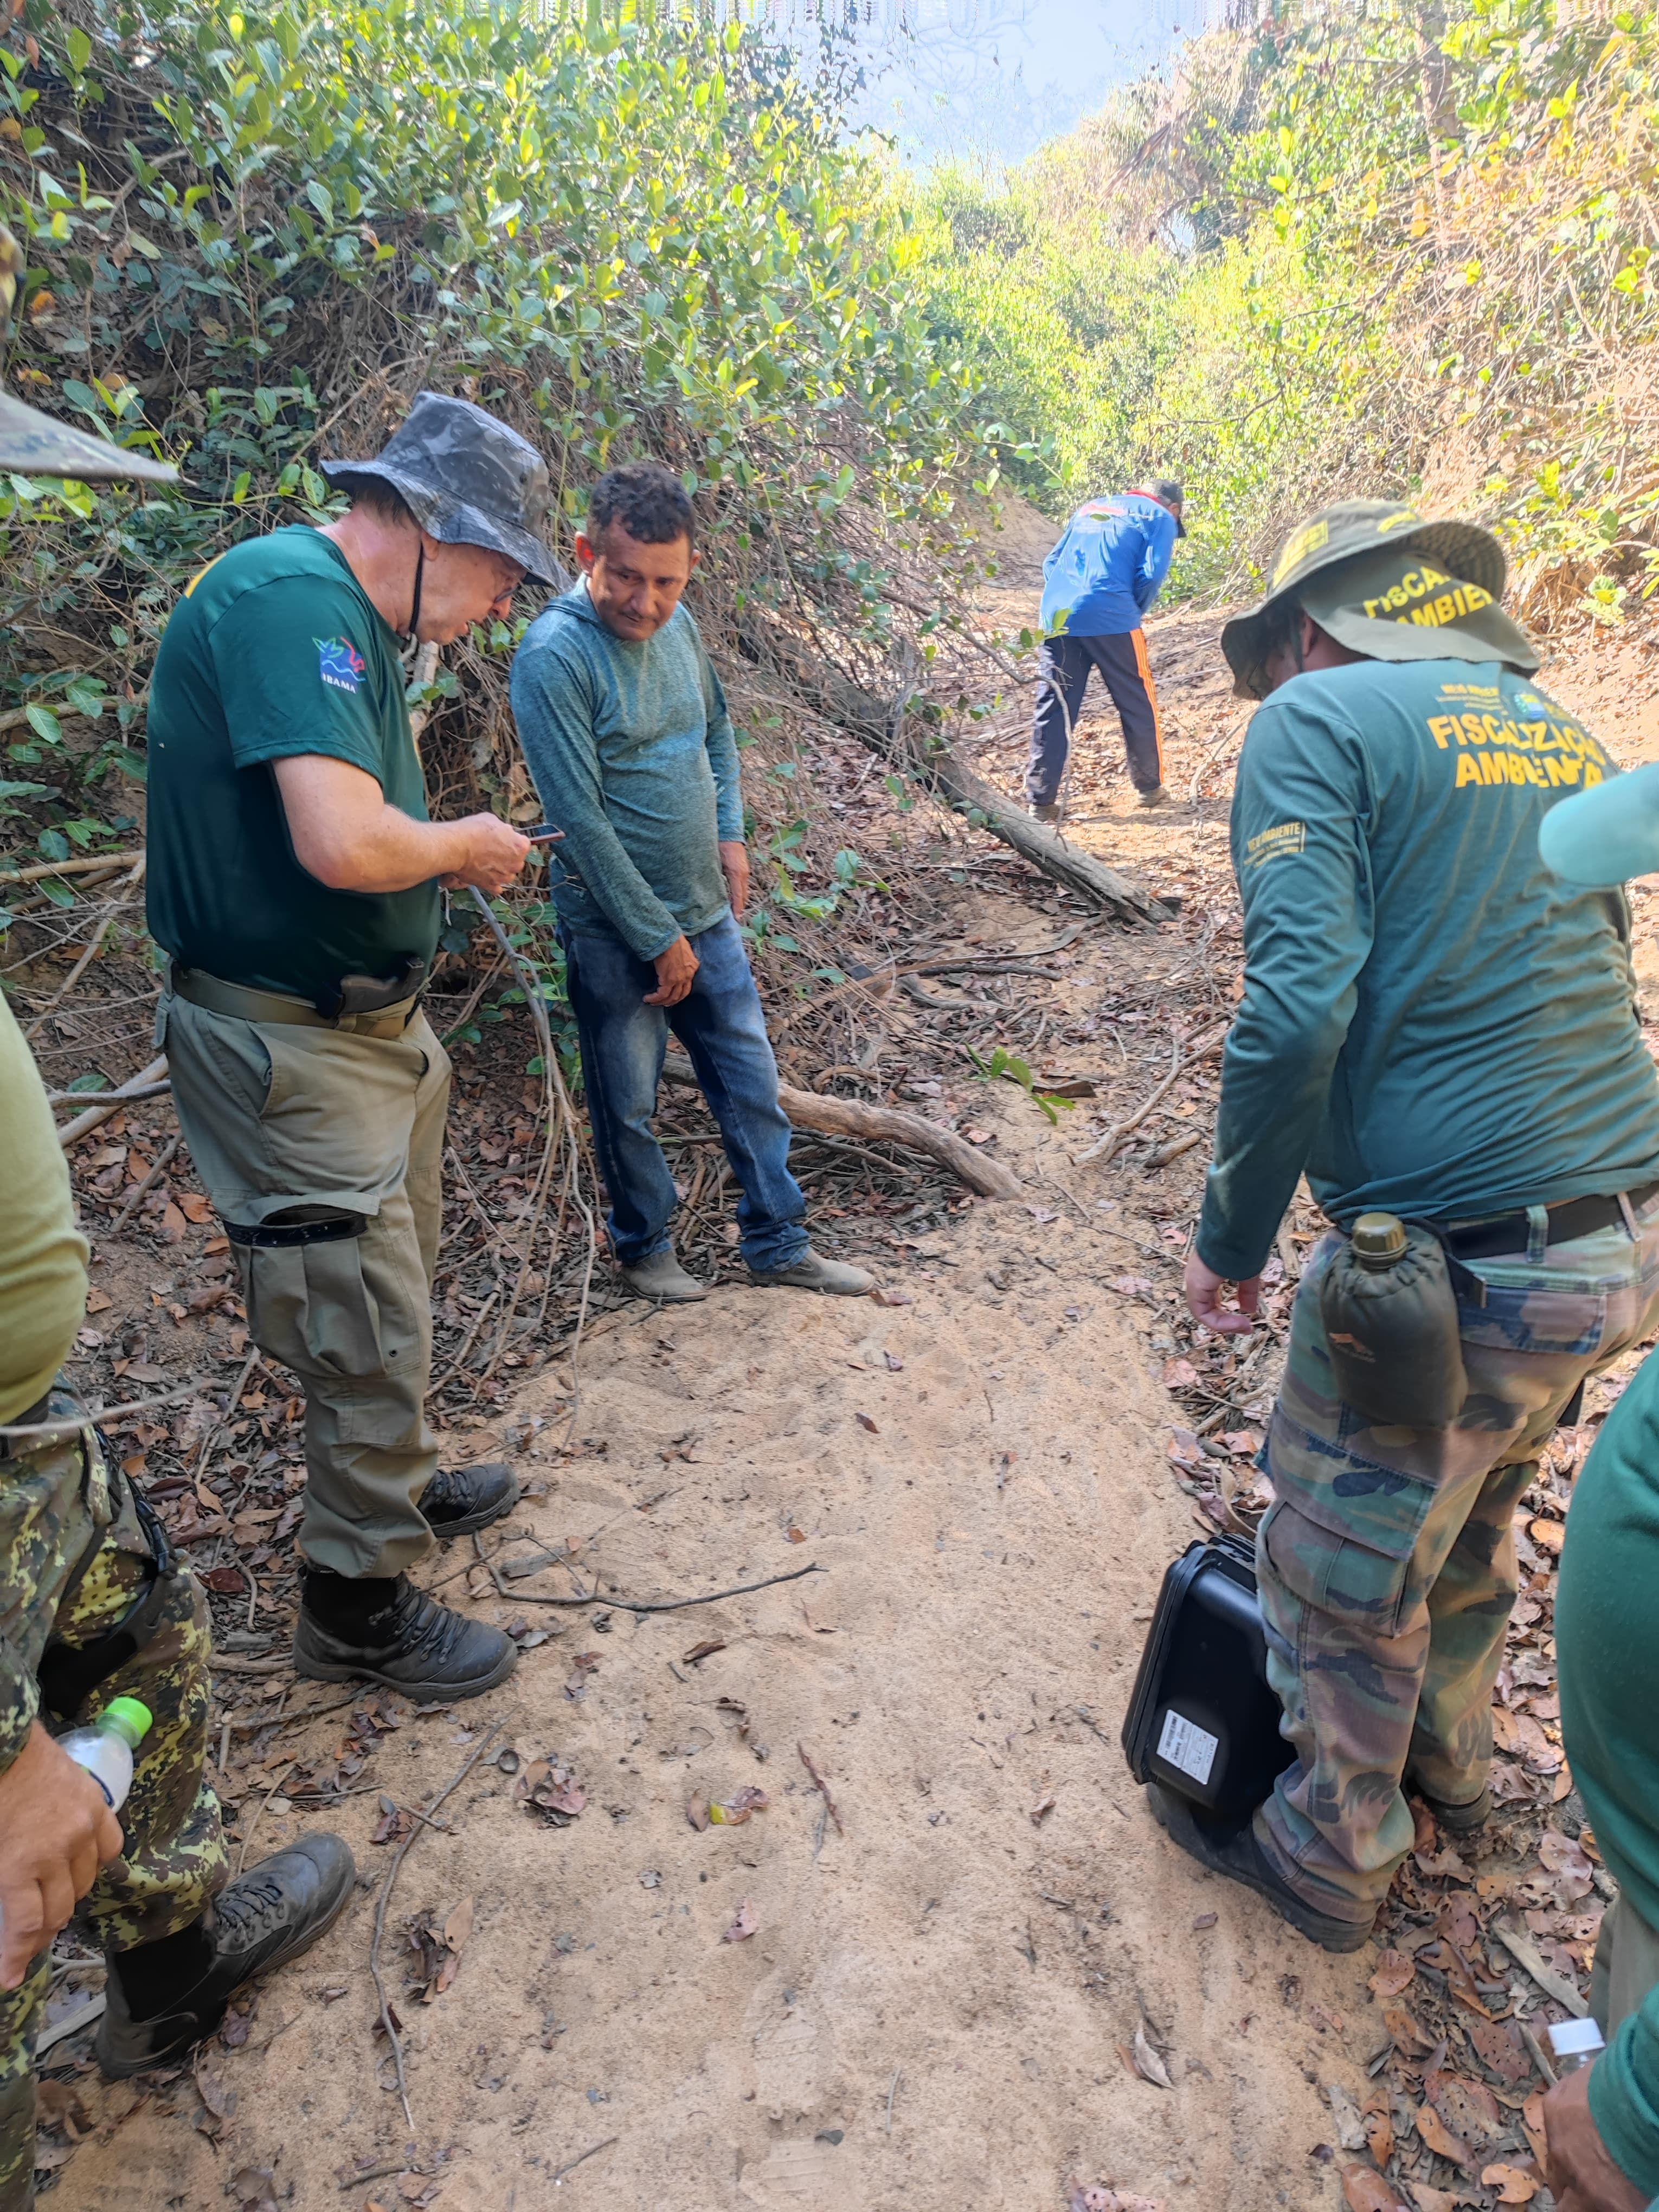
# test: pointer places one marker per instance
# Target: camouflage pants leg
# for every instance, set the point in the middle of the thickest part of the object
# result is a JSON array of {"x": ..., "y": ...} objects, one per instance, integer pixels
[
  {"x": 1387, "y": 1561},
  {"x": 55, "y": 1505}
]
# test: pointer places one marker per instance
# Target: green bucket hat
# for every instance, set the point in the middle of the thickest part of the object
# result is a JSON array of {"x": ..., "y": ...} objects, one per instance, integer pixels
[
  {"x": 1383, "y": 582},
  {"x": 37, "y": 445}
]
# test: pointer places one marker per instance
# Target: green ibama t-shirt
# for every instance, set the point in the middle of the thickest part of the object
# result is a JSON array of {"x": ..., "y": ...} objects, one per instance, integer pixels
[
  {"x": 275, "y": 650},
  {"x": 1432, "y": 1022}
]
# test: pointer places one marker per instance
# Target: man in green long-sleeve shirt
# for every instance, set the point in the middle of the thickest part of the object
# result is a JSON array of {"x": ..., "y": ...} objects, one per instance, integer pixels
[
  {"x": 1436, "y": 1026},
  {"x": 1604, "y": 2123},
  {"x": 623, "y": 724}
]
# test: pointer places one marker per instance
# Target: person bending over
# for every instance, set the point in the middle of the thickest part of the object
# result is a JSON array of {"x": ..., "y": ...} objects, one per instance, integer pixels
[{"x": 1098, "y": 582}]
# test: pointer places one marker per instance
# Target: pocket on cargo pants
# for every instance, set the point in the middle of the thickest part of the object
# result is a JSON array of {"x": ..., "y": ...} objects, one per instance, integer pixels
[{"x": 309, "y": 1306}]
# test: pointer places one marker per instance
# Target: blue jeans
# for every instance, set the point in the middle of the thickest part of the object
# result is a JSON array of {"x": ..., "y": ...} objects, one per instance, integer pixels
[{"x": 721, "y": 1026}]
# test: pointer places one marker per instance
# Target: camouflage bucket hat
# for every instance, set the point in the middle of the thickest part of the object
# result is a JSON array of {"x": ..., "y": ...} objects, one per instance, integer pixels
[
  {"x": 468, "y": 479},
  {"x": 1383, "y": 582},
  {"x": 38, "y": 445}
]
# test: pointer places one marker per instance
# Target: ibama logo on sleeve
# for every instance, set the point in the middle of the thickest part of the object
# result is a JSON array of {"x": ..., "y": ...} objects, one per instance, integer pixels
[{"x": 339, "y": 664}]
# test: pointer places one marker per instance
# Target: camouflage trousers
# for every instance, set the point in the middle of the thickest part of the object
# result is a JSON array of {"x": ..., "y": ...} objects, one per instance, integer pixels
[
  {"x": 54, "y": 1501},
  {"x": 1387, "y": 1561}
]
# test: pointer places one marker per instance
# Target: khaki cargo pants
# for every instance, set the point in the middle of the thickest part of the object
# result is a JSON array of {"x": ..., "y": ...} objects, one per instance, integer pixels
[
  {"x": 55, "y": 1500},
  {"x": 346, "y": 1130},
  {"x": 1387, "y": 1563}
]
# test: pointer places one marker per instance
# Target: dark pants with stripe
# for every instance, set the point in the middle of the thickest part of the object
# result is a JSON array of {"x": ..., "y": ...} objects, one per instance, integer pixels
[{"x": 1064, "y": 665}]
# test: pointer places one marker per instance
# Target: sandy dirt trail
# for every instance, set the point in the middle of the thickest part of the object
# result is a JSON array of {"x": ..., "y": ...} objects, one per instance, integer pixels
[{"x": 936, "y": 2004}]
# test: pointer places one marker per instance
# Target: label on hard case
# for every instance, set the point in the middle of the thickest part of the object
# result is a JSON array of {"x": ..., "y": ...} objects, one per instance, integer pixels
[{"x": 1188, "y": 1746}]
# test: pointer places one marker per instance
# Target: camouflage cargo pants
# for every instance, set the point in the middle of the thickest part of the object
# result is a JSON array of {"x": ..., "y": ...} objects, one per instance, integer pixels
[
  {"x": 1387, "y": 1561},
  {"x": 54, "y": 1500}
]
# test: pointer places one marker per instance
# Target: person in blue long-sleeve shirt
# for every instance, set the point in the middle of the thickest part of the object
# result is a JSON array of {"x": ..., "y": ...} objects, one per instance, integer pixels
[{"x": 1097, "y": 583}]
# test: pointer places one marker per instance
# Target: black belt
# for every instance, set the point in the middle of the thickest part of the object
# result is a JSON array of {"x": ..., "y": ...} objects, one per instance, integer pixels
[{"x": 1511, "y": 1232}]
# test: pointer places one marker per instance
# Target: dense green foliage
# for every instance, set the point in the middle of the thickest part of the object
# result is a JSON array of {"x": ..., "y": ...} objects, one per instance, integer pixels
[
  {"x": 1354, "y": 250},
  {"x": 251, "y": 237}
]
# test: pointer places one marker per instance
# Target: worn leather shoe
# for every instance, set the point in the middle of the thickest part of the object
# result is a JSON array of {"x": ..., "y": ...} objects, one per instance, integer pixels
[
  {"x": 460, "y": 1500},
  {"x": 1239, "y": 1856},
  {"x": 660, "y": 1276},
  {"x": 413, "y": 1644},
  {"x": 1050, "y": 811},
  {"x": 261, "y": 1920},
  {"x": 812, "y": 1272},
  {"x": 1157, "y": 796}
]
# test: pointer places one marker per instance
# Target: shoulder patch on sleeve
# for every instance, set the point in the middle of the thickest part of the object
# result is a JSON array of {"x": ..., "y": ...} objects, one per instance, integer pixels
[
  {"x": 339, "y": 664},
  {"x": 1284, "y": 838}
]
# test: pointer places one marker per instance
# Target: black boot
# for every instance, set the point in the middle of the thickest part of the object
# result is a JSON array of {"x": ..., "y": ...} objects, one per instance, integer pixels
[
  {"x": 1236, "y": 1853},
  {"x": 390, "y": 1632},
  {"x": 460, "y": 1500},
  {"x": 1467, "y": 1819},
  {"x": 165, "y": 1996}
]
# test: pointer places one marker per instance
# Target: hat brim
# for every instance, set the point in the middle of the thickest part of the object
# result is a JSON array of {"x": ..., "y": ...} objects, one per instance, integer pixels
[
  {"x": 38, "y": 444},
  {"x": 1599, "y": 838},
  {"x": 452, "y": 521},
  {"x": 1472, "y": 553}
]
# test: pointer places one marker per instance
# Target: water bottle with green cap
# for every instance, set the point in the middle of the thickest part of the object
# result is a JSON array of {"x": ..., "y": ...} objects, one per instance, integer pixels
[{"x": 106, "y": 1748}]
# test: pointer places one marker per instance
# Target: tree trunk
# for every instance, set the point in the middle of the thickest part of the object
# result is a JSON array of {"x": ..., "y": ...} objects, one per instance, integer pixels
[{"x": 845, "y": 1117}]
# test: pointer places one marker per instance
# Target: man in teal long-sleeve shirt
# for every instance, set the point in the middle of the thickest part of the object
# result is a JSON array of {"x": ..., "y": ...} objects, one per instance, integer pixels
[
  {"x": 1435, "y": 1026},
  {"x": 625, "y": 726},
  {"x": 1604, "y": 2124}
]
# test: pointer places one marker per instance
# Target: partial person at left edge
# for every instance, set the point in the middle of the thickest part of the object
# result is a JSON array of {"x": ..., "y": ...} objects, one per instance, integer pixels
[
  {"x": 95, "y": 1607},
  {"x": 295, "y": 882}
]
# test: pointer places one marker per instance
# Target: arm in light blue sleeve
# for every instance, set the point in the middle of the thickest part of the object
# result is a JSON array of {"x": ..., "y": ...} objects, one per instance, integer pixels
[
  {"x": 553, "y": 704},
  {"x": 722, "y": 745},
  {"x": 1304, "y": 870},
  {"x": 1160, "y": 530},
  {"x": 1624, "y": 2095}
]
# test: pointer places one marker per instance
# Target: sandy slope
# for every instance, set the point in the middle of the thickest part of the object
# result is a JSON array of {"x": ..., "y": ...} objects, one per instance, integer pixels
[{"x": 935, "y": 2008}]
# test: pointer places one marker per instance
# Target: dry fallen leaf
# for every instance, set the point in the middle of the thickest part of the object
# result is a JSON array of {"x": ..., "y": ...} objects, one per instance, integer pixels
[
  {"x": 1395, "y": 1973},
  {"x": 1350, "y": 2128},
  {"x": 1132, "y": 1286},
  {"x": 1432, "y": 2200},
  {"x": 1148, "y": 2064},
  {"x": 1365, "y": 2190},
  {"x": 1180, "y": 1375},
  {"x": 744, "y": 1926},
  {"x": 1532, "y": 2119},
  {"x": 552, "y": 1788},
  {"x": 732, "y": 1812},
  {"x": 1440, "y": 2139},
  {"x": 1500, "y": 2049},
  {"x": 706, "y": 1649},
  {"x": 458, "y": 1926},
  {"x": 1044, "y": 1806},
  {"x": 865, "y": 1422},
  {"x": 1403, "y": 2027},
  {"x": 1513, "y": 2183},
  {"x": 696, "y": 1810},
  {"x": 1549, "y": 1536},
  {"x": 1377, "y": 2120},
  {"x": 1468, "y": 2108},
  {"x": 194, "y": 1206}
]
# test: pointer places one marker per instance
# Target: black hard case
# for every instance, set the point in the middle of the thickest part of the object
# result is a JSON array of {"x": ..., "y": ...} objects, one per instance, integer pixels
[{"x": 1206, "y": 1660}]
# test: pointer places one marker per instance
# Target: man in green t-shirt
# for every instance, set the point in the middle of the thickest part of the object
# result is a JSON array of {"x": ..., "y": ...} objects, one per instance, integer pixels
[
  {"x": 294, "y": 880},
  {"x": 1435, "y": 1028},
  {"x": 93, "y": 1606},
  {"x": 1603, "y": 2122}
]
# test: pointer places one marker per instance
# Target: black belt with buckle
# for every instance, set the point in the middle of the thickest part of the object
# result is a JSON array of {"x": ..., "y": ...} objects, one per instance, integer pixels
[{"x": 1511, "y": 1232}]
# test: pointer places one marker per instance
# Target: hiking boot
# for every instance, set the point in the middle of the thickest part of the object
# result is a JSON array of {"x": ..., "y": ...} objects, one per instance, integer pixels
[
  {"x": 812, "y": 1272},
  {"x": 460, "y": 1500},
  {"x": 261, "y": 1920},
  {"x": 1240, "y": 1856},
  {"x": 660, "y": 1276},
  {"x": 1464, "y": 1820},
  {"x": 1046, "y": 810},
  {"x": 1157, "y": 796},
  {"x": 387, "y": 1631}
]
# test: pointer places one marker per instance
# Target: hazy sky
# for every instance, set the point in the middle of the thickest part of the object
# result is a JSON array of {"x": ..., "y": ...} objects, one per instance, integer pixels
[{"x": 996, "y": 77}]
